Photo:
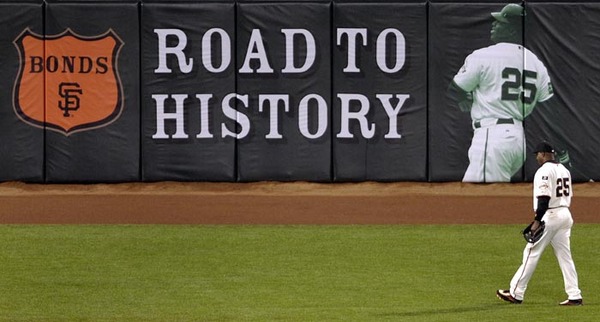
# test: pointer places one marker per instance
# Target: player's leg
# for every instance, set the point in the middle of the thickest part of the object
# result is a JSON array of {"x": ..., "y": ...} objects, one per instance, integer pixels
[
  {"x": 505, "y": 152},
  {"x": 477, "y": 156},
  {"x": 562, "y": 249},
  {"x": 531, "y": 256}
]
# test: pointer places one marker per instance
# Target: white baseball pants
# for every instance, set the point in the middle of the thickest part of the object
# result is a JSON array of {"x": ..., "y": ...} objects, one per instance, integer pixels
[
  {"x": 557, "y": 233},
  {"x": 496, "y": 153}
]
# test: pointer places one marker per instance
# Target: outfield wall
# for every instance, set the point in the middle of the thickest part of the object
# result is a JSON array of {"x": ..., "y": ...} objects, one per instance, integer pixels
[{"x": 323, "y": 91}]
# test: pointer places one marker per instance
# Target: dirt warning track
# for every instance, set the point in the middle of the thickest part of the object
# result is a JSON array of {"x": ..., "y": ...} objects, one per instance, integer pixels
[{"x": 280, "y": 203}]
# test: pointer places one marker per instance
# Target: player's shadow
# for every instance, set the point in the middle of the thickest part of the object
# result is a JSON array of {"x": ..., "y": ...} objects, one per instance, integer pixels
[{"x": 442, "y": 311}]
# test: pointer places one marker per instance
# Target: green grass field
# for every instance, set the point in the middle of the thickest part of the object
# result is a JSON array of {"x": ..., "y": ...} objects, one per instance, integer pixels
[{"x": 282, "y": 273}]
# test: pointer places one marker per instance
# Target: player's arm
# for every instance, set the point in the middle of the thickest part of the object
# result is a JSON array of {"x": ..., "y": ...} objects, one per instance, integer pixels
[
  {"x": 542, "y": 191},
  {"x": 462, "y": 97},
  {"x": 543, "y": 202},
  {"x": 545, "y": 90},
  {"x": 542, "y": 207}
]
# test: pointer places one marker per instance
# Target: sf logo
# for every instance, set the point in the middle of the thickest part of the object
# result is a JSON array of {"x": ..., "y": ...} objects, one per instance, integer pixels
[{"x": 70, "y": 93}]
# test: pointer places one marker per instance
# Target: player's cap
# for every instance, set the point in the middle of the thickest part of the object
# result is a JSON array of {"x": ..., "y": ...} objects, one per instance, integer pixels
[
  {"x": 543, "y": 147},
  {"x": 510, "y": 12}
]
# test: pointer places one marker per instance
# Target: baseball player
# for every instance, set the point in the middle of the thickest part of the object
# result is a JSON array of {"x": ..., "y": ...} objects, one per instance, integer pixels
[
  {"x": 500, "y": 85},
  {"x": 552, "y": 192}
]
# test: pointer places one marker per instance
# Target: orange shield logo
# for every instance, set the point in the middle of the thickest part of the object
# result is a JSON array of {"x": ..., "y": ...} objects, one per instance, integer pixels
[{"x": 68, "y": 83}]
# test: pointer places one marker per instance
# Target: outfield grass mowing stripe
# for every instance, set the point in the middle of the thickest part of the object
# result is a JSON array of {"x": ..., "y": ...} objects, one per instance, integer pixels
[{"x": 281, "y": 273}]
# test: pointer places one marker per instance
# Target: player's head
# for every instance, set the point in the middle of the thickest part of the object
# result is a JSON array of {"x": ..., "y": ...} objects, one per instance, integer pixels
[
  {"x": 543, "y": 152},
  {"x": 508, "y": 24}
]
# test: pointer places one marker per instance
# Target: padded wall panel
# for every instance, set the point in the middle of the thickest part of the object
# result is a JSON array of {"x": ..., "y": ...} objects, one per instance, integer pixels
[
  {"x": 92, "y": 92},
  {"x": 22, "y": 140},
  {"x": 565, "y": 36},
  {"x": 456, "y": 30},
  {"x": 204, "y": 73},
  {"x": 380, "y": 61},
  {"x": 284, "y": 75}
]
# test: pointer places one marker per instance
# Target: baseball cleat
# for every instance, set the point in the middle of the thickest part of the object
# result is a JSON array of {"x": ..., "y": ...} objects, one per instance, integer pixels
[
  {"x": 571, "y": 302},
  {"x": 505, "y": 296}
]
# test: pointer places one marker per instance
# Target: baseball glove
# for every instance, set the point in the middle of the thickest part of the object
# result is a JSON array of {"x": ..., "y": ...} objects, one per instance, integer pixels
[
  {"x": 564, "y": 158},
  {"x": 466, "y": 104},
  {"x": 533, "y": 236}
]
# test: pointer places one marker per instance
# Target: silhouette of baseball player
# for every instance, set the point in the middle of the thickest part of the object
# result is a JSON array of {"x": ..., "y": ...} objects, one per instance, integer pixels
[{"x": 500, "y": 85}]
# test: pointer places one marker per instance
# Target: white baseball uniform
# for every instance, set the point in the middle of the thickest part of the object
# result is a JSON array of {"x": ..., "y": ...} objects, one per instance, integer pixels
[
  {"x": 554, "y": 180},
  {"x": 506, "y": 81}
]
